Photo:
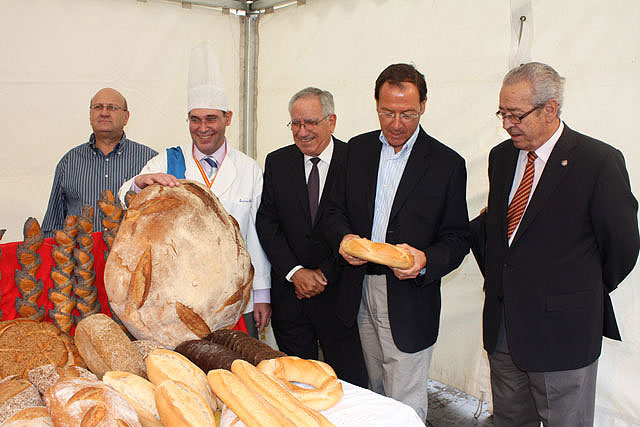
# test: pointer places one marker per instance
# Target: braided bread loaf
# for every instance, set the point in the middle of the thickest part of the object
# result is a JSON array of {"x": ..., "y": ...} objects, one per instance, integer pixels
[
  {"x": 86, "y": 292},
  {"x": 62, "y": 275},
  {"x": 29, "y": 259}
]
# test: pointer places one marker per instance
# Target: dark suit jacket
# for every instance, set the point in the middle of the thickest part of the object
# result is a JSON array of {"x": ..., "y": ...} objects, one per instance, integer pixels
[
  {"x": 429, "y": 212},
  {"x": 285, "y": 230},
  {"x": 576, "y": 242}
]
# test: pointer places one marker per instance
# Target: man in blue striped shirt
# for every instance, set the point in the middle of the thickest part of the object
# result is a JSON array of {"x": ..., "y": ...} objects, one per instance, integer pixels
[{"x": 103, "y": 163}]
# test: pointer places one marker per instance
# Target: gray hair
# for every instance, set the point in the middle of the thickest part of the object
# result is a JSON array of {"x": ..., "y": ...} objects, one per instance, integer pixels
[
  {"x": 545, "y": 82},
  {"x": 325, "y": 98}
]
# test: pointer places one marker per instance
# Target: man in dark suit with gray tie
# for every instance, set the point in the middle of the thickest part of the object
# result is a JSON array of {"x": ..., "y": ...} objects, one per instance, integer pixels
[
  {"x": 559, "y": 234},
  {"x": 298, "y": 179}
]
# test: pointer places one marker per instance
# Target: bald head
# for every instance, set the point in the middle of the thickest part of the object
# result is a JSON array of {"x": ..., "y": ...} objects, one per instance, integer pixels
[{"x": 108, "y": 113}]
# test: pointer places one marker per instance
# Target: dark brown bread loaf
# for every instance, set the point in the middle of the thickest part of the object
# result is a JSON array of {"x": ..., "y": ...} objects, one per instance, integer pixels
[
  {"x": 208, "y": 355},
  {"x": 251, "y": 349}
]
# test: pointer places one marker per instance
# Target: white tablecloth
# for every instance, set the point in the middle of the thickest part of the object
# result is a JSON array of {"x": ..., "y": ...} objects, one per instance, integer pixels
[{"x": 358, "y": 407}]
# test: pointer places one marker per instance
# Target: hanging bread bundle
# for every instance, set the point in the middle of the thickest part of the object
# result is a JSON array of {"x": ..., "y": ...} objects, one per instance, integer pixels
[
  {"x": 179, "y": 267},
  {"x": 85, "y": 290},
  {"x": 62, "y": 275},
  {"x": 29, "y": 259}
]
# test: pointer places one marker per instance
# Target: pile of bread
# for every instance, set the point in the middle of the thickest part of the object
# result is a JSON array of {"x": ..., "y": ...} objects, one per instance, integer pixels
[{"x": 102, "y": 378}]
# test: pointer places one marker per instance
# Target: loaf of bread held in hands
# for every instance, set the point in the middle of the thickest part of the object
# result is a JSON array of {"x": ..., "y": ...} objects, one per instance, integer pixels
[{"x": 380, "y": 253}]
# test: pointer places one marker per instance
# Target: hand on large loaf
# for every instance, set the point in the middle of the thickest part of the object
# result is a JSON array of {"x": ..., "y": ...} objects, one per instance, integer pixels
[
  {"x": 419, "y": 262},
  {"x": 165, "y": 179}
]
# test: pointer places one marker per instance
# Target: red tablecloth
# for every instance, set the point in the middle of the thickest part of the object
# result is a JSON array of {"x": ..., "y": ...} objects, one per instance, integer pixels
[{"x": 10, "y": 292}]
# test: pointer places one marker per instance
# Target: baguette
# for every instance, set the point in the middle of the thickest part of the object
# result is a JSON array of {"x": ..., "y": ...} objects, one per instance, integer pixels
[
  {"x": 278, "y": 396},
  {"x": 138, "y": 392},
  {"x": 380, "y": 253},
  {"x": 246, "y": 404},
  {"x": 181, "y": 406},
  {"x": 165, "y": 365}
]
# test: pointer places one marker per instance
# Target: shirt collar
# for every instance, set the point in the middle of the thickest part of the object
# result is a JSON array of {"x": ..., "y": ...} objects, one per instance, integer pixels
[
  {"x": 121, "y": 144},
  {"x": 544, "y": 151},
  {"x": 407, "y": 145},
  {"x": 326, "y": 154},
  {"x": 218, "y": 155}
]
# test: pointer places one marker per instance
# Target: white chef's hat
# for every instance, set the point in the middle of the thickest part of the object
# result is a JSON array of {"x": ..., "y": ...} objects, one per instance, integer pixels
[{"x": 206, "y": 86}]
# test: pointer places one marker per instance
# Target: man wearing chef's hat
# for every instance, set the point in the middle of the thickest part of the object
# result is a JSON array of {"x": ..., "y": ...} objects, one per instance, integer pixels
[{"x": 232, "y": 176}]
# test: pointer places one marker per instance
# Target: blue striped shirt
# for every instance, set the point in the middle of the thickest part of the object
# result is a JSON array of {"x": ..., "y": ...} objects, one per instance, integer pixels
[
  {"x": 390, "y": 170},
  {"x": 84, "y": 173}
]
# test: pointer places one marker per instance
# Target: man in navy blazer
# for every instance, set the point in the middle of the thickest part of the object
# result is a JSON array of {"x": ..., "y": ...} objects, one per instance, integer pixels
[
  {"x": 549, "y": 275},
  {"x": 304, "y": 269},
  {"x": 400, "y": 186}
]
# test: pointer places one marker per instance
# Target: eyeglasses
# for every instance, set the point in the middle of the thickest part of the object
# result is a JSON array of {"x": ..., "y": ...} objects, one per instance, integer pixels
[
  {"x": 109, "y": 107},
  {"x": 513, "y": 118},
  {"x": 308, "y": 124},
  {"x": 405, "y": 117}
]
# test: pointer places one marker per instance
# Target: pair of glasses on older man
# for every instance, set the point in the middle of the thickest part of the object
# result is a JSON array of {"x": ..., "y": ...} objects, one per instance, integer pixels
[
  {"x": 513, "y": 118},
  {"x": 109, "y": 107},
  {"x": 307, "y": 124}
]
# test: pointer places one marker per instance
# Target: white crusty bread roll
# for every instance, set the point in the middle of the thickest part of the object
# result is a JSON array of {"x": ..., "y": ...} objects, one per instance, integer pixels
[
  {"x": 165, "y": 365},
  {"x": 85, "y": 402},
  {"x": 105, "y": 347},
  {"x": 30, "y": 417},
  {"x": 380, "y": 253},
  {"x": 181, "y": 406},
  {"x": 252, "y": 409},
  {"x": 327, "y": 389},
  {"x": 278, "y": 396},
  {"x": 138, "y": 392}
]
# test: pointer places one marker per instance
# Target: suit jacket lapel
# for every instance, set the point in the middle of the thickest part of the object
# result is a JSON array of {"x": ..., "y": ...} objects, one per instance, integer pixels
[
  {"x": 299, "y": 181},
  {"x": 337, "y": 163},
  {"x": 505, "y": 170},
  {"x": 370, "y": 164},
  {"x": 552, "y": 175},
  {"x": 417, "y": 165}
]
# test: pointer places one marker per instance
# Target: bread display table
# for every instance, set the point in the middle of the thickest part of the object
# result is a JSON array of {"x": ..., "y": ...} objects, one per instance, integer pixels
[{"x": 358, "y": 407}]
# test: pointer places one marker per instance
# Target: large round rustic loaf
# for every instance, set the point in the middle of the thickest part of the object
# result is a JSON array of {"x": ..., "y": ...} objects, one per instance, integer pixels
[
  {"x": 105, "y": 347},
  {"x": 178, "y": 268},
  {"x": 26, "y": 344},
  {"x": 88, "y": 403}
]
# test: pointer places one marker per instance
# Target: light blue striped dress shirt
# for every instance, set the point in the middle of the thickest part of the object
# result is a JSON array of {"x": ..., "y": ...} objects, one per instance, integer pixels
[{"x": 390, "y": 170}]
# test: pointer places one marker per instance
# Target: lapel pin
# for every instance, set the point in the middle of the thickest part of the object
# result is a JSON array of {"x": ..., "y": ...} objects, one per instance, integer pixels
[{"x": 565, "y": 162}]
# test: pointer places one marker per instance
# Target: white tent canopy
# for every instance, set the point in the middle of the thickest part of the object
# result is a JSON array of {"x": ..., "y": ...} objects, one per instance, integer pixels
[{"x": 57, "y": 53}]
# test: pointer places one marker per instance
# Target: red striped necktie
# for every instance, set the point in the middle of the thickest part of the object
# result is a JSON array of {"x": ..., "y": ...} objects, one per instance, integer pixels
[{"x": 519, "y": 202}]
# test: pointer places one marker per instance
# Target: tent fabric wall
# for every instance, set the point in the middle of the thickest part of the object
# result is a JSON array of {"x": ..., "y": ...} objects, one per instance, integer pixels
[
  {"x": 57, "y": 53},
  {"x": 464, "y": 47}
]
